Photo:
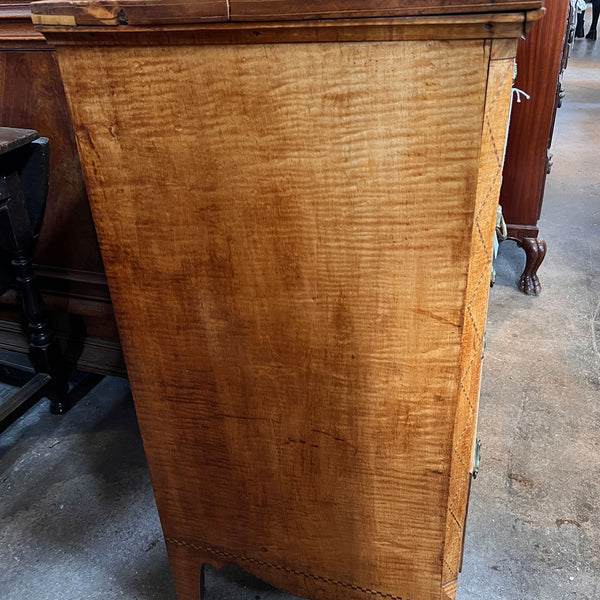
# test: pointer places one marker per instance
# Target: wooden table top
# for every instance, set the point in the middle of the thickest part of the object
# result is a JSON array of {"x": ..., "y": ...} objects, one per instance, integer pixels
[{"x": 11, "y": 138}]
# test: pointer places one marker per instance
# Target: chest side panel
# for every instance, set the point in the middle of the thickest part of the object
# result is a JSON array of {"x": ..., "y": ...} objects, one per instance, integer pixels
[{"x": 286, "y": 231}]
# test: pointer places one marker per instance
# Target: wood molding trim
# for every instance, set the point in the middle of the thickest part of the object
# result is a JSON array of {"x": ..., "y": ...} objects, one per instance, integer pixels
[
  {"x": 152, "y": 12},
  {"x": 456, "y": 27},
  {"x": 16, "y": 28},
  {"x": 520, "y": 232},
  {"x": 14, "y": 10},
  {"x": 267, "y": 10}
]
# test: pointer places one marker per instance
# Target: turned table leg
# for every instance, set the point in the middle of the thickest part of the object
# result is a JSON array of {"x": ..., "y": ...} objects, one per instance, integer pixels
[
  {"x": 535, "y": 251},
  {"x": 23, "y": 189},
  {"x": 44, "y": 351}
]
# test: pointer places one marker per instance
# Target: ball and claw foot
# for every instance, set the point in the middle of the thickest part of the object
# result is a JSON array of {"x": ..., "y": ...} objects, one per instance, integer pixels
[
  {"x": 535, "y": 251},
  {"x": 530, "y": 285}
]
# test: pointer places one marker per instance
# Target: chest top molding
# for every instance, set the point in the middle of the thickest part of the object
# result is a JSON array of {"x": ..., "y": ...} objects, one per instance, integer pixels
[{"x": 169, "y": 12}]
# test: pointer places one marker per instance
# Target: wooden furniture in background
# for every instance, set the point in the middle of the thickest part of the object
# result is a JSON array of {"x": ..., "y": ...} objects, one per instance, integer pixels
[
  {"x": 296, "y": 220},
  {"x": 541, "y": 58},
  {"x": 68, "y": 263},
  {"x": 24, "y": 168}
]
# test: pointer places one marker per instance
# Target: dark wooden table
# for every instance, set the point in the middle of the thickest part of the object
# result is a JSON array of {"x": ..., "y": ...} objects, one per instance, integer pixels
[{"x": 68, "y": 263}]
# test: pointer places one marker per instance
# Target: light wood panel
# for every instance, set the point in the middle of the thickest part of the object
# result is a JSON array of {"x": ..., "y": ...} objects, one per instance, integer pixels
[
  {"x": 497, "y": 107},
  {"x": 296, "y": 236},
  {"x": 299, "y": 252}
]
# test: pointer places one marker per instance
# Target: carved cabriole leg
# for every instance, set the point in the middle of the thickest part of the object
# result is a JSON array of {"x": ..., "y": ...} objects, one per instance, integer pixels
[{"x": 535, "y": 251}]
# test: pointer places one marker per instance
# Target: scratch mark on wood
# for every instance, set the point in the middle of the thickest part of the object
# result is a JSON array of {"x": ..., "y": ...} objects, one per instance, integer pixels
[{"x": 337, "y": 439}]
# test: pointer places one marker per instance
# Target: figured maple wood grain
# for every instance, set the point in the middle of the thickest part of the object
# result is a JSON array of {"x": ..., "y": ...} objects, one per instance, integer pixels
[
  {"x": 449, "y": 591},
  {"x": 288, "y": 231},
  {"x": 497, "y": 107},
  {"x": 278, "y": 231}
]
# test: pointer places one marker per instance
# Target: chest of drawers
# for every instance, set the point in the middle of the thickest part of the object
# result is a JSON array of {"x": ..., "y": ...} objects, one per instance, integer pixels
[{"x": 295, "y": 203}]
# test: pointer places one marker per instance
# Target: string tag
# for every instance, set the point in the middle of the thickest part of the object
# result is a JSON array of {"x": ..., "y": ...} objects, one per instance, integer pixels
[{"x": 517, "y": 92}]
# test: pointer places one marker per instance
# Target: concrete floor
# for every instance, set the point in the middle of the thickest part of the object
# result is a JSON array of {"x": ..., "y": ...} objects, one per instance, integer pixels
[{"x": 77, "y": 515}]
